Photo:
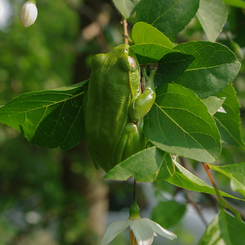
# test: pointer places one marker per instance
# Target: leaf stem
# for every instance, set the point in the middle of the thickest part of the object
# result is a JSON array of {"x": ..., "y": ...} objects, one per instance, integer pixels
[
  {"x": 134, "y": 193},
  {"x": 222, "y": 203}
]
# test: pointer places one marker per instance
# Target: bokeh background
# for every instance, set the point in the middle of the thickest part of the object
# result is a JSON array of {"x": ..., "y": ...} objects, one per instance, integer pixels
[{"x": 58, "y": 198}]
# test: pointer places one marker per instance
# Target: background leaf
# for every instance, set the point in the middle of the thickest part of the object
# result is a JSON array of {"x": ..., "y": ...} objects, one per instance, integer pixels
[
  {"x": 148, "y": 53},
  {"x": 126, "y": 7},
  {"x": 224, "y": 229},
  {"x": 149, "y": 165},
  {"x": 180, "y": 124},
  {"x": 185, "y": 179},
  {"x": 51, "y": 118},
  {"x": 165, "y": 14},
  {"x": 213, "y": 103},
  {"x": 212, "y": 16},
  {"x": 235, "y": 3},
  {"x": 229, "y": 123},
  {"x": 145, "y": 33},
  {"x": 172, "y": 212},
  {"x": 172, "y": 66},
  {"x": 214, "y": 67},
  {"x": 236, "y": 172}
]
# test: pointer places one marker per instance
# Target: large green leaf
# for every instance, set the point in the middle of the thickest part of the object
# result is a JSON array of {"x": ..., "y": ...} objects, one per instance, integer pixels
[
  {"x": 145, "y": 33},
  {"x": 126, "y": 7},
  {"x": 236, "y": 172},
  {"x": 224, "y": 230},
  {"x": 149, "y": 165},
  {"x": 185, "y": 179},
  {"x": 51, "y": 118},
  {"x": 171, "y": 211},
  {"x": 150, "y": 52},
  {"x": 179, "y": 123},
  {"x": 235, "y": 3},
  {"x": 214, "y": 67},
  {"x": 172, "y": 63},
  {"x": 172, "y": 66},
  {"x": 212, "y": 16},
  {"x": 229, "y": 123},
  {"x": 168, "y": 16}
]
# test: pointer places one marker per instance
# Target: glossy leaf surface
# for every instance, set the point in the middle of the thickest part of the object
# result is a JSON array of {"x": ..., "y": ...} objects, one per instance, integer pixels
[{"x": 180, "y": 124}]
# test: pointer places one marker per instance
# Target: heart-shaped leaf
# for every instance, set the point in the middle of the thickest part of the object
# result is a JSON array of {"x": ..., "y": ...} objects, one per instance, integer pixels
[
  {"x": 51, "y": 118},
  {"x": 214, "y": 67},
  {"x": 179, "y": 123}
]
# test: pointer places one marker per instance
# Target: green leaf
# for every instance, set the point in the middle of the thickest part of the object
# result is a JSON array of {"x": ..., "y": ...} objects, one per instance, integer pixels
[
  {"x": 149, "y": 165},
  {"x": 212, "y": 16},
  {"x": 126, "y": 7},
  {"x": 148, "y": 53},
  {"x": 235, "y": 3},
  {"x": 236, "y": 172},
  {"x": 168, "y": 16},
  {"x": 180, "y": 124},
  {"x": 172, "y": 66},
  {"x": 168, "y": 213},
  {"x": 224, "y": 230},
  {"x": 51, "y": 118},
  {"x": 229, "y": 123},
  {"x": 185, "y": 179},
  {"x": 214, "y": 67},
  {"x": 213, "y": 103},
  {"x": 145, "y": 33}
]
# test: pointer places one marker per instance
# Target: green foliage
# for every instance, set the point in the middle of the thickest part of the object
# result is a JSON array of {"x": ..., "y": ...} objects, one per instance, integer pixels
[
  {"x": 185, "y": 179},
  {"x": 224, "y": 229},
  {"x": 168, "y": 213},
  {"x": 154, "y": 165},
  {"x": 229, "y": 123},
  {"x": 193, "y": 84},
  {"x": 51, "y": 118},
  {"x": 236, "y": 3},
  {"x": 168, "y": 16},
  {"x": 126, "y": 7},
  {"x": 214, "y": 67},
  {"x": 212, "y": 16},
  {"x": 183, "y": 129},
  {"x": 236, "y": 174}
]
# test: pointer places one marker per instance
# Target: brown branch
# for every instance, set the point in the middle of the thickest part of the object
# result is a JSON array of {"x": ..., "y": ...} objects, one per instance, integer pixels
[
  {"x": 125, "y": 31},
  {"x": 221, "y": 201},
  {"x": 194, "y": 204}
]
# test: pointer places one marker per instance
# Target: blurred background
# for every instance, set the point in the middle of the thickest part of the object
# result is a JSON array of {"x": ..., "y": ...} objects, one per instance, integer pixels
[{"x": 59, "y": 198}]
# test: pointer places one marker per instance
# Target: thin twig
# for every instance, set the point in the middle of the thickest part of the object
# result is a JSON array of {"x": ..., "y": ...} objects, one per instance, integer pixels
[
  {"x": 125, "y": 31},
  {"x": 189, "y": 197},
  {"x": 222, "y": 202},
  {"x": 194, "y": 204}
]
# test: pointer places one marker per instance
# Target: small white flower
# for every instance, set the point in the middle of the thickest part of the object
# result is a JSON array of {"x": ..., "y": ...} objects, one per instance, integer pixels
[
  {"x": 143, "y": 231},
  {"x": 28, "y": 13}
]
